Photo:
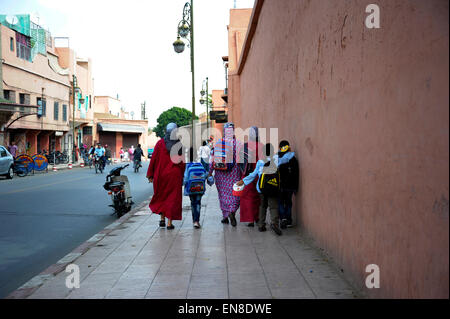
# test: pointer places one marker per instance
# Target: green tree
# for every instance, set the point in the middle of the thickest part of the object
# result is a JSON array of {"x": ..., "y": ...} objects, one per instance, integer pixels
[{"x": 176, "y": 115}]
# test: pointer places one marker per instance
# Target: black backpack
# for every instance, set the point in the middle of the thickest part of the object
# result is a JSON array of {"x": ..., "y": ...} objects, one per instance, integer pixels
[
  {"x": 269, "y": 183},
  {"x": 289, "y": 174}
]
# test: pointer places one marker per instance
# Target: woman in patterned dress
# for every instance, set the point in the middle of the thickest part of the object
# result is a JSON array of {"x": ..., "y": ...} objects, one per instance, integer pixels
[{"x": 225, "y": 179}]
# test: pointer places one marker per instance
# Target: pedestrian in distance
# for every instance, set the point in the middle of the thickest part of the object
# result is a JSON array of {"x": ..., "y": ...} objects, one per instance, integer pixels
[
  {"x": 91, "y": 150},
  {"x": 289, "y": 180},
  {"x": 268, "y": 186},
  {"x": 82, "y": 150},
  {"x": 107, "y": 155},
  {"x": 13, "y": 149},
  {"x": 203, "y": 154},
  {"x": 166, "y": 171},
  {"x": 194, "y": 186},
  {"x": 226, "y": 173},
  {"x": 121, "y": 154},
  {"x": 76, "y": 150},
  {"x": 131, "y": 152},
  {"x": 211, "y": 142},
  {"x": 137, "y": 155},
  {"x": 90, "y": 154},
  {"x": 126, "y": 156}
]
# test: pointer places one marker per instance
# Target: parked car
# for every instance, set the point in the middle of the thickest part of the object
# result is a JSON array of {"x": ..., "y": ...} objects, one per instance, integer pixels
[
  {"x": 6, "y": 163},
  {"x": 150, "y": 152}
]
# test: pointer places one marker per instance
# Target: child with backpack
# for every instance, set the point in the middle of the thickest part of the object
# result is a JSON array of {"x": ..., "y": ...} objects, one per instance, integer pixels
[
  {"x": 194, "y": 187},
  {"x": 268, "y": 187},
  {"x": 289, "y": 176}
]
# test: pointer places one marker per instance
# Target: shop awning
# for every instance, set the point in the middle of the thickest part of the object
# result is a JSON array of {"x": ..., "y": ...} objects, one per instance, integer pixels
[
  {"x": 78, "y": 122},
  {"x": 109, "y": 127}
]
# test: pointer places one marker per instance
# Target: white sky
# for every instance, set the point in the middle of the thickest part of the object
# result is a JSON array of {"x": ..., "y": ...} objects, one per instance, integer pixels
[{"x": 130, "y": 44}]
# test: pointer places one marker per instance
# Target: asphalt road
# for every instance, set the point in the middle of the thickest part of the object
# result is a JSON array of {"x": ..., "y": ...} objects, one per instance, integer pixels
[{"x": 45, "y": 216}]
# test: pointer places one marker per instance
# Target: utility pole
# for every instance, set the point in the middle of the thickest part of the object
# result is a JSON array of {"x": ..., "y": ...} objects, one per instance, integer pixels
[
  {"x": 75, "y": 90},
  {"x": 192, "y": 70},
  {"x": 207, "y": 107},
  {"x": 143, "y": 111},
  {"x": 74, "y": 85},
  {"x": 185, "y": 27}
]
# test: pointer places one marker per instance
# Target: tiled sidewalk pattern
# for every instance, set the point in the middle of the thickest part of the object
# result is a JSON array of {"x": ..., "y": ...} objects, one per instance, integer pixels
[{"x": 140, "y": 260}]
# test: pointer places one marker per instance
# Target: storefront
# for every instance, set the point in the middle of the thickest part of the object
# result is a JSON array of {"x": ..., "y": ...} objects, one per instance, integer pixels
[{"x": 121, "y": 135}]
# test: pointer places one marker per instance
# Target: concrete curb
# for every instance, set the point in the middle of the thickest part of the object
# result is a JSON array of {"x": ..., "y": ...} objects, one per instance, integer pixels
[
  {"x": 61, "y": 167},
  {"x": 37, "y": 281}
]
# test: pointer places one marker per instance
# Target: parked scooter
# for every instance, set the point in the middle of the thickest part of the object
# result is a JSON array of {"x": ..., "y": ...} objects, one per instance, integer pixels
[
  {"x": 119, "y": 188},
  {"x": 20, "y": 169},
  {"x": 57, "y": 157}
]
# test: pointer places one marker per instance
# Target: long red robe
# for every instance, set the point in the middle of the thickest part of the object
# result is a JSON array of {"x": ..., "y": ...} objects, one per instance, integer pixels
[
  {"x": 250, "y": 200},
  {"x": 167, "y": 182}
]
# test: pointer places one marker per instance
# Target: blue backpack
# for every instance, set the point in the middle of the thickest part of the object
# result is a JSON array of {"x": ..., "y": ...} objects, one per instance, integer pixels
[{"x": 195, "y": 181}]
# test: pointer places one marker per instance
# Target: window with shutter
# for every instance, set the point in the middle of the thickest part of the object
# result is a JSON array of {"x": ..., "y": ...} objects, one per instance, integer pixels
[
  {"x": 55, "y": 111},
  {"x": 10, "y": 95},
  {"x": 24, "y": 98},
  {"x": 44, "y": 107},
  {"x": 64, "y": 112}
]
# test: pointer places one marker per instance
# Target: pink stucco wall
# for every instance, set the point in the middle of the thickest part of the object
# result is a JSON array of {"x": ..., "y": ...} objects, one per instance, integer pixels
[{"x": 367, "y": 112}]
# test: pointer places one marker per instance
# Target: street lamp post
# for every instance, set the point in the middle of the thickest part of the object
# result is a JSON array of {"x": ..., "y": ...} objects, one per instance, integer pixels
[
  {"x": 202, "y": 101},
  {"x": 75, "y": 89},
  {"x": 185, "y": 28}
]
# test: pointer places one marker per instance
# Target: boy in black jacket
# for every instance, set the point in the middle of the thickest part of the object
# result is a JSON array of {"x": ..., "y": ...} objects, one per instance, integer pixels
[{"x": 289, "y": 176}]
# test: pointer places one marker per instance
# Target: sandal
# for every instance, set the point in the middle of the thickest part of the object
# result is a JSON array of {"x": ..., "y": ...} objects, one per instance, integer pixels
[
  {"x": 162, "y": 223},
  {"x": 170, "y": 227}
]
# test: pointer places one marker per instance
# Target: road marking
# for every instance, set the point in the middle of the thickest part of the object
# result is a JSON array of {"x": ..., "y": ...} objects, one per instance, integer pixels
[{"x": 43, "y": 185}]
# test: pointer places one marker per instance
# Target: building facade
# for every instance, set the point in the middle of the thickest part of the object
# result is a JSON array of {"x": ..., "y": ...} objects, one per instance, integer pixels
[
  {"x": 218, "y": 104},
  {"x": 8, "y": 108},
  {"x": 113, "y": 127},
  {"x": 366, "y": 111},
  {"x": 28, "y": 53},
  {"x": 82, "y": 117}
]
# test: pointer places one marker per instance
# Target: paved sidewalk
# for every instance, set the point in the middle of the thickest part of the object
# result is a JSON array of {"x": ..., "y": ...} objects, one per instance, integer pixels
[{"x": 140, "y": 260}]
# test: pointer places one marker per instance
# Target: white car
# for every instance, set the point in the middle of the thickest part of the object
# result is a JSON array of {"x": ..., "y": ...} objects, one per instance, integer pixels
[{"x": 6, "y": 163}]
